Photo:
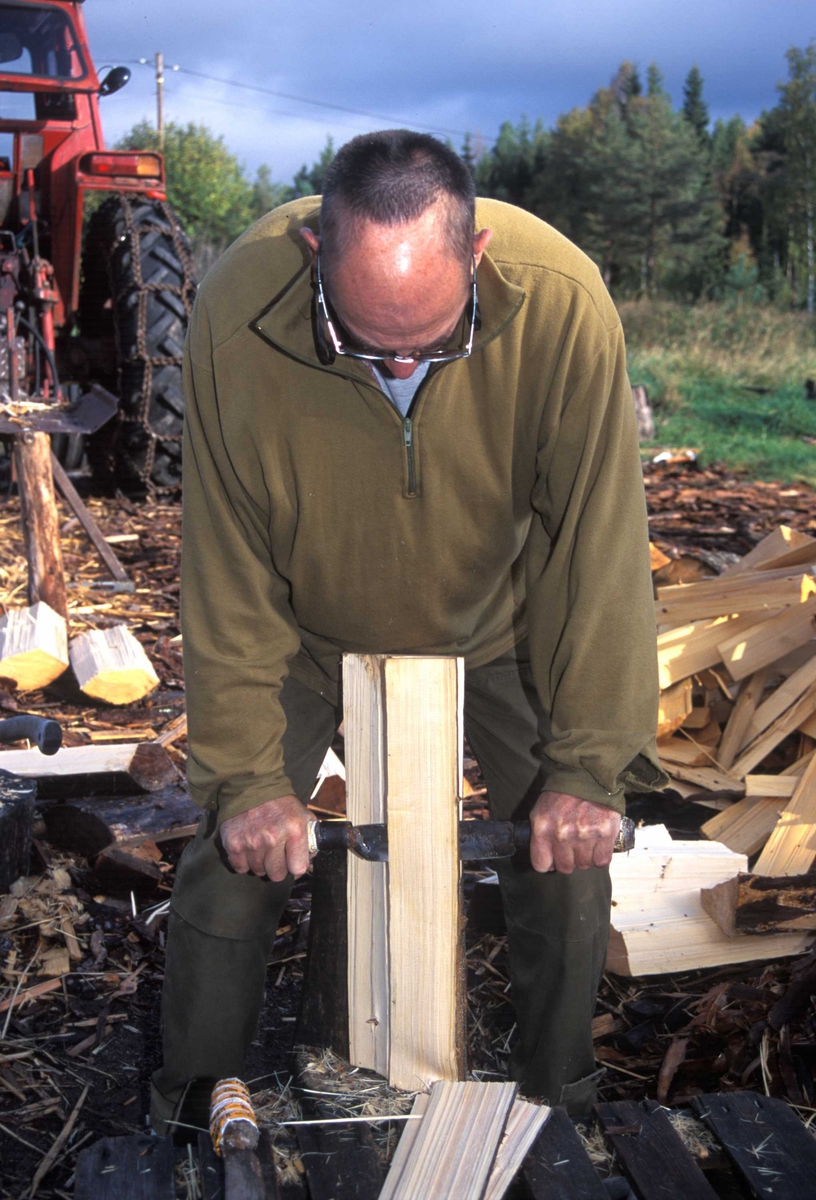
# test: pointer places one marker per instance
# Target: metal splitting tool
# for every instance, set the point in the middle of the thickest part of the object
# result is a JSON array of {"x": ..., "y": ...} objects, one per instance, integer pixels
[{"x": 477, "y": 839}]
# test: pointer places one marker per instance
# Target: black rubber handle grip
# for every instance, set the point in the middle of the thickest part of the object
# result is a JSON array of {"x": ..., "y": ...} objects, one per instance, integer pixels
[{"x": 44, "y": 733}]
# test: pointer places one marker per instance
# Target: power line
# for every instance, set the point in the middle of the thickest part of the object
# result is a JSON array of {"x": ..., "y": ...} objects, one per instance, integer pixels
[
  {"x": 277, "y": 112},
  {"x": 358, "y": 112}
]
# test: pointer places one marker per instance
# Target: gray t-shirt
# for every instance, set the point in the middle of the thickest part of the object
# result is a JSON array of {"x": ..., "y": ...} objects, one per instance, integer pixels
[{"x": 401, "y": 391}]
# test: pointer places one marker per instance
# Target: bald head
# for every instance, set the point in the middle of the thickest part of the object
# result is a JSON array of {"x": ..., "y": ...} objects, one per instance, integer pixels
[{"x": 403, "y": 287}]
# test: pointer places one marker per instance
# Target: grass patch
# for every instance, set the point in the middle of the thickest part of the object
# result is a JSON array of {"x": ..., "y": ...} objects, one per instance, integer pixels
[{"x": 697, "y": 363}]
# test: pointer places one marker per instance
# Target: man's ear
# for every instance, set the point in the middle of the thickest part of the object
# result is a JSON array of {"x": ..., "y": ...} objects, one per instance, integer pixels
[
  {"x": 481, "y": 241},
  {"x": 312, "y": 241}
]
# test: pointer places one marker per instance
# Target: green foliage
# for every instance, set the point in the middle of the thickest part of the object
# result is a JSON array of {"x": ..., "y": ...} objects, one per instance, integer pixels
[
  {"x": 695, "y": 109},
  {"x": 206, "y": 184},
  {"x": 699, "y": 365},
  {"x": 309, "y": 181}
]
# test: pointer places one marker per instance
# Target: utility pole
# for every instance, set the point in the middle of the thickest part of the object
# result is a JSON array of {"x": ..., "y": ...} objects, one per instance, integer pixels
[{"x": 160, "y": 97}]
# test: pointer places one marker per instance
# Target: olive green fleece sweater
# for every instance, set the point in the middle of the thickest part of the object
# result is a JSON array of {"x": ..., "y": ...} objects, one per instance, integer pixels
[{"x": 317, "y": 521}]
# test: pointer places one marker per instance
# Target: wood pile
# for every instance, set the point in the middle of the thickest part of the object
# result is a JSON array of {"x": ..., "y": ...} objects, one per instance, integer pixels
[{"x": 737, "y": 725}]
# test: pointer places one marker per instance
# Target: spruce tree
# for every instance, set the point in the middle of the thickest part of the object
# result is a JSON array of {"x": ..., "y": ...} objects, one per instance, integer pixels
[
  {"x": 695, "y": 109},
  {"x": 655, "y": 85}
]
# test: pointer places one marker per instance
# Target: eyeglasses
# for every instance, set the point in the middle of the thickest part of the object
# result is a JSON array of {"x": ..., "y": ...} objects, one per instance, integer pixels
[{"x": 328, "y": 350}]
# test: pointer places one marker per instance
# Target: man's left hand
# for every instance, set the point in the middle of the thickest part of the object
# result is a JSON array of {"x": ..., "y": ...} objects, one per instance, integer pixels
[{"x": 569, "y": 833}]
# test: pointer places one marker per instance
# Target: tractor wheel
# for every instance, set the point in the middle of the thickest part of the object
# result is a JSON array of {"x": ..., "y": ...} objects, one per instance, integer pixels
[{"x": 138, "y": 286}]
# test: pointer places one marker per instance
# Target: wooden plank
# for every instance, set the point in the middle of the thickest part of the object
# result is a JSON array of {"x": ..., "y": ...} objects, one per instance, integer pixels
[
  {"x": 734, "y": 735},
  {"x": 767, "y": 1144},
  {"x": 791, "y": 848},
  {"x": 86, "y": 520},
  {"x": 523, "y": 1127},
  {"x": 709, "y": 778},
  {"x": 657, "y": 558},
  {"x": 40, "y": 521},
  {"x": 691, "y": 648},
  {"x": 745, "y": 826},
  {"x": 455, "y": 1148},
  {"x": 777, "y": 787},
  {"x": 746, "y": 650},
  {"x": 780, "y": 700},
  {"x": 771, "y": 591},
  {"x": 651, "y": 1153},
  {"x": 756, "y": 904},
  {"x": 33, "y": 646},
  {"x": 107, "y": 770},
  {"x": 778, "y": 544},
  {"x": 769, "y": 739},
  {"x": 424, "y": 703},
  {"x": 111, "y": 665},
  {"x": 558, "y": 1166},
  {"x": 138, "y": 1167},
  {"x": 799, "y": 556},
  {"x": 368, "y": 968},
  {"x": 685, "y": 751}
]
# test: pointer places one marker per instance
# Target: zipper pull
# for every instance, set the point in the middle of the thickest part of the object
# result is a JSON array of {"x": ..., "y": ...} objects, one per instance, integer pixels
[{"x": 407, "y": 432}]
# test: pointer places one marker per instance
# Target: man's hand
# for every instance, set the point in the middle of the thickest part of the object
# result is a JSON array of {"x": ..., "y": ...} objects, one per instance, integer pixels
[
  {"x": 568, "y": 833},
  {"x": 270, "y": 839}
]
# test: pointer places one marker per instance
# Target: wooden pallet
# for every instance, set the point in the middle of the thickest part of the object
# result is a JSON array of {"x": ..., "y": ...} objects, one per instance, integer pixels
[{"x": 763, "y": 1141}]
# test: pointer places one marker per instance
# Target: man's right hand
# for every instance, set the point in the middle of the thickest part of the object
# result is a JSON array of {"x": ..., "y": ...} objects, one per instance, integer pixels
[{"x": 270, "y": 840}]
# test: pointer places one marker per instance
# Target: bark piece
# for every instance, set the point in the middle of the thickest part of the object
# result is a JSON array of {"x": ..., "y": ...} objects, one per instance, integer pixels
[
  {"x": 89, "y": 826},
  {"x": 126, "y": 1168},
  {"x": 33, "y": 646},
  {"x": 791, "y": 848},
  {"x": 558, "y": 1166},
  {"x": 651, "y": 1153},
  {"x": 758, "y": 904},
  {"x": 121, "y": 872}
]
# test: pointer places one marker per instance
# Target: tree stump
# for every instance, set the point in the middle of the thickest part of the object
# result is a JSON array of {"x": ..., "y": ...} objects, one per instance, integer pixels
[
  {"x": 16, "y": 816},
  {"x": 46, "y": 578}
]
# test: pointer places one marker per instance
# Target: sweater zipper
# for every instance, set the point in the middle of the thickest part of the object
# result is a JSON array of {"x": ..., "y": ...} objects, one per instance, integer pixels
[{"x": 408, "y": 439}]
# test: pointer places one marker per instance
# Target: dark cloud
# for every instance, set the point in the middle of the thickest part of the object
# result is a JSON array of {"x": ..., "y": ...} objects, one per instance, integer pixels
[{"x": 454, "y": 66}]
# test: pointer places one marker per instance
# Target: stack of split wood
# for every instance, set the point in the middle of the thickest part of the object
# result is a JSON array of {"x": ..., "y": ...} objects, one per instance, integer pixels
[
  {"x": 109, "y": 664},
  {"x": 737, "y": 727}
]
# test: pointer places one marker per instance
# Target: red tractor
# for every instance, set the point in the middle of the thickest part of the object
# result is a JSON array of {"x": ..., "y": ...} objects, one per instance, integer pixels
[{"x": 92, "y": 324}]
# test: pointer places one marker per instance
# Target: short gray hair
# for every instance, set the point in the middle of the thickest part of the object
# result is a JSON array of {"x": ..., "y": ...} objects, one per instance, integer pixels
[{"x": 392, "y": 177}]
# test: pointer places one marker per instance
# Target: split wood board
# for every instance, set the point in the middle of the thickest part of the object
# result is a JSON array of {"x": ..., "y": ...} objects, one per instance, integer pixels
[
  {"x": 779, "y": 544},
  {"x": 111, "y": 665},
  {"x": 771, "y": 591},
  {"x": 746, "y": 826},
  {"x": 658, "y": 923},
  {"x": 685, "y": 751},
  {"x": 93, "y": 770},
  {"x": 406, "y": 965},
  {"x": 454, "y": 1149},
  {"x": 791, "y": 847},
  {"x": 33, "y": 646},
  {"x": 524, "y": 1124},
  {"x": 746, "y": 650},
  {"x": 739, "y": 720},
  {"x": 691, "y": 648},
  {"x": 709, "y": 779},
  {"x": 749, "y": 904},
  {"x": 769, "y": 739},
  {"x": 780, "y": 700},
  {"x": 775, "y": 787},
  {"x": 368, "y": 990}
]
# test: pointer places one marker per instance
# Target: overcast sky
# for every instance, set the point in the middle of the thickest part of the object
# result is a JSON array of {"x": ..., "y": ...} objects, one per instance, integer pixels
[{"x": 426, "y": 63}]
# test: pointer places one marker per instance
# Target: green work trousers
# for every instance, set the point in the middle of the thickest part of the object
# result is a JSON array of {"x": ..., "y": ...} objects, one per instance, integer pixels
[{"x": 222, "y": 925}]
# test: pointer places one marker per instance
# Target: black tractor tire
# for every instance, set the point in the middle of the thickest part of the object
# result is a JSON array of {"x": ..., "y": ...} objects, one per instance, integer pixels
[{"x": 138, "y": 287}]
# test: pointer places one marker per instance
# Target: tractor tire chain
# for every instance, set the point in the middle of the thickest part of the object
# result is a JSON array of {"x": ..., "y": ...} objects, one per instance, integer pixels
[{"x": 141, "y": 467}]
